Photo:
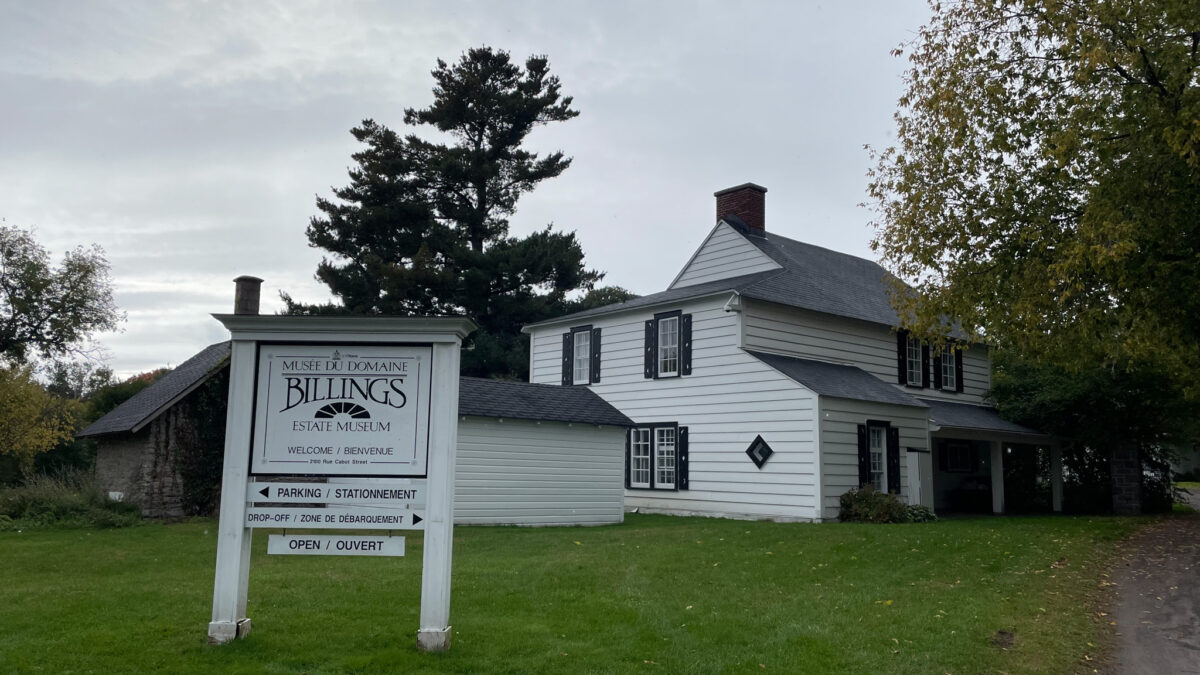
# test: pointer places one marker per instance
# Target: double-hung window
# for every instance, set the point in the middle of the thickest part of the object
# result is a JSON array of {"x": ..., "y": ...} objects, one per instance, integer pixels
[
  {"x": 668, "y": 345},
  {"x": 581, "y": 356},
  {"x": 658, "y": 457},
  {"x": 879, "y": 456},
  {"x": 878, "y": 448},
  {"x": 581, "y": 361},
  {"x": 913, "y": 362},
  {"x": 949, "y": 368}
]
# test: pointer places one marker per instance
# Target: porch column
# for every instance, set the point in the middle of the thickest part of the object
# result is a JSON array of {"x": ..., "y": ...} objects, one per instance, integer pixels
[
  {"x": 997, "y": 477},
  {"x": 1056, "y": 477}
]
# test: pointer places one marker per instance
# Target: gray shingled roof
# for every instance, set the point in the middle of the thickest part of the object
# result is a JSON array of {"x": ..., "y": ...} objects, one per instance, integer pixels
[
  {"x": 967, "y": 416},
  {"x": 822, "y": 280},
  {"x": 546, "y": 402},
  {"x": 148, "y": 403},
  {"x": 838, "y": 381},
  {"x": 811, "y": 277},
  {"x": 672, "y": 295},
  {"x": 484, "y": 398}
]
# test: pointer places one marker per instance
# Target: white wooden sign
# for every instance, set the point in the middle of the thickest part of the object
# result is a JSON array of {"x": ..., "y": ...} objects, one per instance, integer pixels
[
  {"x": 334, "y": 544},
  {"x": 335, "y": 518},
  {"x": 371, "y": 404},
  {"x": 406, "y": 494},
  {"x": 342, "y": 410}
]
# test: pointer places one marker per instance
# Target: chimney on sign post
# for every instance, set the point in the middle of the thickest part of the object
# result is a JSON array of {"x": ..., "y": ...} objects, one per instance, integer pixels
[{"x": 245, "y": 297}]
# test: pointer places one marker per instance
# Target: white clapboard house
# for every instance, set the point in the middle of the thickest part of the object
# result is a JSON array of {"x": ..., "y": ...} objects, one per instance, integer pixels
[
  {"x": 527, "y": 454},
  {"x": 770, "y": 377}
]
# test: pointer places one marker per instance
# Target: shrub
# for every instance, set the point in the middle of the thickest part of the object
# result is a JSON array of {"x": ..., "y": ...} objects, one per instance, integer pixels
[
  {"x": 867, "y": 505},
  {"x": 918, "y": 513},
  {"x": 63, "y": 500}
]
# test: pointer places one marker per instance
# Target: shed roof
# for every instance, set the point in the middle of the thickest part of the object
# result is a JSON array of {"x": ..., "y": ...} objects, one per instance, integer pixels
[
  {"x": 543, "y": 402},
  {"x": 479, "y": 397},
  {"x": 966, "y": 416},
  {"x": 838, "y": 381}
]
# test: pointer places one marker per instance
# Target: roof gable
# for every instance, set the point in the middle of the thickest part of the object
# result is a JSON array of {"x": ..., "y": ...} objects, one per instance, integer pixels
[{"x": 724, "y": 254}]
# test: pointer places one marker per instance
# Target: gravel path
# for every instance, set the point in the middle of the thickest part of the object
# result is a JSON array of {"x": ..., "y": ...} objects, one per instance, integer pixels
[{"x": 1158, "y": 599}]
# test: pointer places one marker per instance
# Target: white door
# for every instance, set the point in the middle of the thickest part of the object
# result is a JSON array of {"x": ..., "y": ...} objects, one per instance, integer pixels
[{"x": 914, "y": 476}]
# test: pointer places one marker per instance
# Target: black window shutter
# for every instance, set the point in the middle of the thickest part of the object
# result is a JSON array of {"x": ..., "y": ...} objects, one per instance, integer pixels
[
  {"x": 651, "y": 361},
  {"x": 893, "y": 460},
  {"x": 628, "y": 460},
  {"x": 595, "y": 360},
  {"x": 681, "y": 459},
  {"x": 685, "y": 344},
  {"x": 902, "y": 356},
  {"x": 958, "y": 369},
  {"x": 568, "y": 353},
  {"x": 924, "y": 366},
  {"x": 864, "y": 457},
  {"x": 937, "y": 370}
]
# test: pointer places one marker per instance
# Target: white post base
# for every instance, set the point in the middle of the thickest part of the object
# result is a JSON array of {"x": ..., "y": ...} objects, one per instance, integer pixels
[
  {"x": 224, "y": 632},
  {"x": 434, "y": 639}
]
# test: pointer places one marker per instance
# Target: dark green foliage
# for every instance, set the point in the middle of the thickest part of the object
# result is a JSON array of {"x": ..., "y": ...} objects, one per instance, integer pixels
[
  {"x": 62, "y": 500},
  {"x": 868, "y": 505},
  {"x": 1026, "y": 480},
  {"x": 422, "y": 228},
  {"x": 916, "y": 513},
  {"x": 1101, "y": 409},
  {"x": 202, "y": 446},
  {"x": 46, "y": 309}
]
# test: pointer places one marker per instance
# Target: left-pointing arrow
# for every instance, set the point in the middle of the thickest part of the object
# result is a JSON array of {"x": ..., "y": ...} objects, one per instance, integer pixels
[{"x": 264, "y": 491}]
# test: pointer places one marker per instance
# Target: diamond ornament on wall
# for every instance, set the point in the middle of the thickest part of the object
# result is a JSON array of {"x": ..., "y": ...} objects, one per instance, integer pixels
[{"x": 759, "y": 452}]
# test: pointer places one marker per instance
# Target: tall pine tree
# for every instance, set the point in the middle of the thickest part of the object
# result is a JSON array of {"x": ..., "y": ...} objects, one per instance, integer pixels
[{"x": 423, "y": 226}]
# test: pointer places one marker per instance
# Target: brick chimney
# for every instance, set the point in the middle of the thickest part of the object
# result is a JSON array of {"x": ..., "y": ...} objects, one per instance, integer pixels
[
  {"x": 245, "y": 297},
  {"x": 747, "y": 202}
]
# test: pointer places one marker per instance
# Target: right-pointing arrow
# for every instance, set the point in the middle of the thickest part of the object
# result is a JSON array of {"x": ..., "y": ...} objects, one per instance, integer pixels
[{"x": 417, "y": 519}]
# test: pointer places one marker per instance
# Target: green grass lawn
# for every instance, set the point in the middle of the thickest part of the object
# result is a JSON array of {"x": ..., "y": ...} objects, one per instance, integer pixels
[{"x": 657, "y": 594}]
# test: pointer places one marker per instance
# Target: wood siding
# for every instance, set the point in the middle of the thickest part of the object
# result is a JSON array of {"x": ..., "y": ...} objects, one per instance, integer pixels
[
  {"x": 729, "y": 398},
  {"x": 724, "y": 254},
  {"x": 517, "y": 472},
  {"x": 839, "y": 443},
  {"x": 872, "y": 347}
]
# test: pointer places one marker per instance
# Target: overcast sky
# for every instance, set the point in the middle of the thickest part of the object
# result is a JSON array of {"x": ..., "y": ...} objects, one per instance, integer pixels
[{"x": 190, "y": 139}]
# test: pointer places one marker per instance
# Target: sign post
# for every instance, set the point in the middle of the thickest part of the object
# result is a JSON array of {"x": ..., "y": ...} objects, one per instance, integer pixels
[{"x": 369, "y": 403}]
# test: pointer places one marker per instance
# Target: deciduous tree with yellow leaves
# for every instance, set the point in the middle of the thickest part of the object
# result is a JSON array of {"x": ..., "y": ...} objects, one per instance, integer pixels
[{"x": 1044, "y": 189}]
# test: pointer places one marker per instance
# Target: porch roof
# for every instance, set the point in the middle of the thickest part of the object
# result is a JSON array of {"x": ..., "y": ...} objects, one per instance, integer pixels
[
  {"x": 836, "y": 380},
  {"x": 967, "y": 416}
]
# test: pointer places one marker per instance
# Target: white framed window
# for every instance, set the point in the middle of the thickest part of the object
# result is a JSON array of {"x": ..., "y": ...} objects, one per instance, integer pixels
[
  {"x": 664, "y": 457},
  {"x": 877, "y": 449},
  {"x": 658, "y": 457},
  {"x": 949, "y": 368},
  {"x": 916, "y": 375},
  {"x": 668, "y": 346},
  {"x": 581, "y": 356},
  {"x": 581, "y": 362},
  {"x": 639, "y": 457}
]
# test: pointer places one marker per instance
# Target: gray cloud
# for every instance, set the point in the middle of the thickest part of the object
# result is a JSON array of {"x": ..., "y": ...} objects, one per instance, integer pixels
[{"x": 189, "y": 139}]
